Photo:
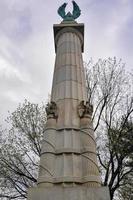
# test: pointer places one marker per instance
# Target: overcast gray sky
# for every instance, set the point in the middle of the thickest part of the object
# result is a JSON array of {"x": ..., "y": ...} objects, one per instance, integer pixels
[{"x": 27, "y": 46}]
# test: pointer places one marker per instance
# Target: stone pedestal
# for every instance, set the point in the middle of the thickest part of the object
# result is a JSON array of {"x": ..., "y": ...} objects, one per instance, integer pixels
[{"x": 69, "y": 193}]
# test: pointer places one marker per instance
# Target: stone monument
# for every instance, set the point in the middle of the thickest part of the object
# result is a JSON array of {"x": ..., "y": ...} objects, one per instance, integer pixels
[{"x": 68, "y": 163}]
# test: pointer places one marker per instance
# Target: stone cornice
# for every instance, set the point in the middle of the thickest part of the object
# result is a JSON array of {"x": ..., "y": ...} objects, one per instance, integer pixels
[{"x": 76, "y": 28}]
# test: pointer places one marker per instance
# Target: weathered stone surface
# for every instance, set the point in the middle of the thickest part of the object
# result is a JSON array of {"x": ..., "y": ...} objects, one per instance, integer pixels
[
  {"x": 69, "y": 155},
  {"x": 69, "y": 148},
  {"x": 68, "y": 158},
  {"x": 68, "y": 193}
]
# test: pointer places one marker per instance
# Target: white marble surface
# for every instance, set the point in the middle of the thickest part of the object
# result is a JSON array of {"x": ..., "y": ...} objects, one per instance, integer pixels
[
  {"x": 69, "y": 149},
  {"x": 69, "y": 193},
  {"x": 68, "y": 164}
]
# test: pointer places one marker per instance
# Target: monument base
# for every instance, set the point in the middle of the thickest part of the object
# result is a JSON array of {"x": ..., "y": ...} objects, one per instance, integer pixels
[{"x": 68, "y": 193}]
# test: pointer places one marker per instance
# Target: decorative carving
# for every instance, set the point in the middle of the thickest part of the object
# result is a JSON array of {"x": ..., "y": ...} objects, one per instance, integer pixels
[
  {"x": 69, "y": 17},
  {"x": 51, "y": 110},
  {"x": 85, "y": 109}
]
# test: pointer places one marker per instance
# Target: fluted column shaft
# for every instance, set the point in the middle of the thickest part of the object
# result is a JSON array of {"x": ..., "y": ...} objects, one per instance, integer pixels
[
  {"x": 69, "y": 149},
  {"x": 69, "y": 81}
]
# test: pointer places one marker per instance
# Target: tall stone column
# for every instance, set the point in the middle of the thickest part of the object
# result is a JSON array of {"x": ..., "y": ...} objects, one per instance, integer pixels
[{"x": 68, "y": 164}]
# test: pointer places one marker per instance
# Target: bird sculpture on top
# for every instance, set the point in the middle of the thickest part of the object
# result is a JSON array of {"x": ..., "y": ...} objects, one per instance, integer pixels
[{"x": 69, "y": 17}]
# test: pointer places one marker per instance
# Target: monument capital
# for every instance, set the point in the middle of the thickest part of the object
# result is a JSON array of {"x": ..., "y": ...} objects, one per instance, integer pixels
[{"x": 77, "y": 28}]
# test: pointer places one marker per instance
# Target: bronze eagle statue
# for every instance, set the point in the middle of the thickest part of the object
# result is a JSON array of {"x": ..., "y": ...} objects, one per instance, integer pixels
[{"x": 69, "y": 17}]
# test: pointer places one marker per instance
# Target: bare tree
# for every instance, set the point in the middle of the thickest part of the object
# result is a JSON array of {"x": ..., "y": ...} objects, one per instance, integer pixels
[
  {"x": 20, "y": 150},
  {"x": 110, "y": 91},
  {"x": 126, "y": 191}
]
